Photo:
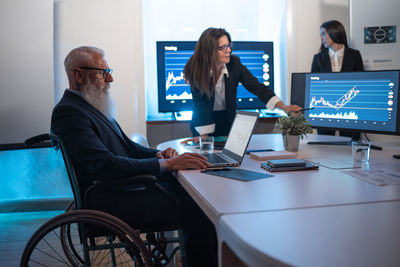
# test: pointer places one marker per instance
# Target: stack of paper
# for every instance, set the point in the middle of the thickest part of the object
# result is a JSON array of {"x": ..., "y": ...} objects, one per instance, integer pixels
[{"x": 267, "y": 155}]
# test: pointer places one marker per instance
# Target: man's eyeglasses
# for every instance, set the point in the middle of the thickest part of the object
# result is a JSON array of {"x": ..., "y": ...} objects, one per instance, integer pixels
[
  {"x": 105, "y": 71},
  {"x": 225, "y": 47}
]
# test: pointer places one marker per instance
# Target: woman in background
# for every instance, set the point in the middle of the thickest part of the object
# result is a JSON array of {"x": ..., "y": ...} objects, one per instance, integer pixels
[
  {"x": 336, "y": 56},
  {"x": 214, "y": 75}
]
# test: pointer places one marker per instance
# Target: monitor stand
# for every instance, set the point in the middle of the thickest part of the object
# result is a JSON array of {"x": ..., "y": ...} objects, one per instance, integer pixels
[
  {"x": 182, "y": 115},
  {"x": 342, "y": 143}
]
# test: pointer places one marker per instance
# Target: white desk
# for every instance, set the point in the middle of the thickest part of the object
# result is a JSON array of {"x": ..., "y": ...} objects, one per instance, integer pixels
[
  {"x": 349, "y": 235},
  {"x": 218, "y": 196},
  {"x": 286, "y": 190}
]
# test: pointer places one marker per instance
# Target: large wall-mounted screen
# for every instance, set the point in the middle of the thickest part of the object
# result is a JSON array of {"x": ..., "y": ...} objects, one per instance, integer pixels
[{"x": 175, "y": 95}]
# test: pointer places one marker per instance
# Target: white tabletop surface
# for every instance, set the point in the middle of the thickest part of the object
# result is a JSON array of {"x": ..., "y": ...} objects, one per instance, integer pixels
[
  {"x": 319, "y": 217},
  {"x": 288, "y": 190},
  {"x": 349, "y": 235}
]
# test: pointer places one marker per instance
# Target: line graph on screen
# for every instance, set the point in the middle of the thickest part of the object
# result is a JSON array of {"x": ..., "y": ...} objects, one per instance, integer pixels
[
  {"x": 176, "y": 87},
  {"x": 351, "y": 100}
]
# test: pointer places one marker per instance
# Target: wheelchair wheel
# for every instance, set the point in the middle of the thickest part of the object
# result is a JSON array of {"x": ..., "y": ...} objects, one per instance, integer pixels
[
  {"x": 70, "y": 243},
  {"x": 121, "y": 246}
]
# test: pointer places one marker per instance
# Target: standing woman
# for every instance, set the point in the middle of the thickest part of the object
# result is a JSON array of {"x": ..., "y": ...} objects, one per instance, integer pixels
[
  {"x": 214, "y": 75},
  {"x": 336, "y": 56}
]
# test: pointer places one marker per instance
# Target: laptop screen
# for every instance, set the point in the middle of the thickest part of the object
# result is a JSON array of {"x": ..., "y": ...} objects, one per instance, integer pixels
[{"x": 240, "y": 133}]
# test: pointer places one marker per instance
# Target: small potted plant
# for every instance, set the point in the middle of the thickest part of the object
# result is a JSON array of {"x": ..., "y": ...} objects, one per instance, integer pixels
[{"x": 293, "y": 127}]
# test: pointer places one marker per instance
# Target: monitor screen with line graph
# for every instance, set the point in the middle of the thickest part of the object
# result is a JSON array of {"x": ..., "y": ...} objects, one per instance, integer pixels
[
  {"x": 174, "y": 94},
  {"x": 357, "y": 101}
]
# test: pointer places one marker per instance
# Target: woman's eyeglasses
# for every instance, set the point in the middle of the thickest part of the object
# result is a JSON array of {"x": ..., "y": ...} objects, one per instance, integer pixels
[{"x": 225, "y": 47}]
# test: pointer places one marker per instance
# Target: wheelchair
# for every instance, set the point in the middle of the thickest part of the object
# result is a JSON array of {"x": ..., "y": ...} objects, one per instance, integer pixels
[{"x": 86, "y": 236}]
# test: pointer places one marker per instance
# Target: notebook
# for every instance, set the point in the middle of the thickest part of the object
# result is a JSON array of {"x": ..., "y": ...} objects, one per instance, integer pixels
[
  {"x": 286, "y": 163},
  {"x": 307, "y": 166},
  {"x": 236, "y": 144},
  {"x": 272, "y": 155}
]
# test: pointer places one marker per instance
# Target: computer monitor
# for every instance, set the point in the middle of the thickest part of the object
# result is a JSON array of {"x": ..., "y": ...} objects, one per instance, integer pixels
[
  {"x": 356, "y": 101},
  {"x": 174, "y": 94}
]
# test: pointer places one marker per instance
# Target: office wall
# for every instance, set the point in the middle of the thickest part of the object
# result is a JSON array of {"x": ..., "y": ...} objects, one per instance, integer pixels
[
  {"x": 304, "y": 19},
  {"x": 371, "y": 13},
  {"x": 30, "y": 83},
  {"x": 116, "y": 27},
  {"x": 303, "y": 40},
  {"x": 26, "y": 69}
]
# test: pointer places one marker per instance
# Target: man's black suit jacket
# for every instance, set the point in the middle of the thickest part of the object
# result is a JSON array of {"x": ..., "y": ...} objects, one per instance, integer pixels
[
  {"x": 352, "y": 61},
  {"x": 97, "y": 150},
  {"x": 203, "y": 106}
]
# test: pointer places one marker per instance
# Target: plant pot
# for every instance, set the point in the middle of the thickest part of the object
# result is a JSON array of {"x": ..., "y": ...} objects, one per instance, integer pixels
[{"x": 291, "y": 142}]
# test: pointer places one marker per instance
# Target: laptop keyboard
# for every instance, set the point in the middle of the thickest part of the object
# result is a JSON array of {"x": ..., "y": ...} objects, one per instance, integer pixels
[{"x": 214, "y": 158}]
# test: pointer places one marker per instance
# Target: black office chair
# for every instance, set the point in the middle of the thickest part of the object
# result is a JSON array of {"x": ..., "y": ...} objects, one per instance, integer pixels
[{"x": 88, "y": 235}]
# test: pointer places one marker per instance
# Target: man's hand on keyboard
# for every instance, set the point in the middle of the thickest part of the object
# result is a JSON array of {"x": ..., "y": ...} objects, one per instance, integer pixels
[
  {"x": 187, "y": 161},
  {"x": 167, "y": 153}
]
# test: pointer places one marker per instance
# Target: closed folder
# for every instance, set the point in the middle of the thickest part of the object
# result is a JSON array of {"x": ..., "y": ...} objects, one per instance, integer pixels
[
  {"x": 268, "y": 155},
  {"x": 308, "y": 166},
  {"x": 286, "y": 163}
]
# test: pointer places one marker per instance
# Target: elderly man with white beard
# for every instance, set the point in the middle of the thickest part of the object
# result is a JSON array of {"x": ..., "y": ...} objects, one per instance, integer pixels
[{"x": 100, "y": 151}]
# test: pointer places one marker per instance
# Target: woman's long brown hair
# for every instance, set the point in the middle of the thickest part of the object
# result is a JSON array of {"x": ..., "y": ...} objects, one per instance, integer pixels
[
  {"x": 336, "y": 32},
  {"x": 204, "y": 59}
]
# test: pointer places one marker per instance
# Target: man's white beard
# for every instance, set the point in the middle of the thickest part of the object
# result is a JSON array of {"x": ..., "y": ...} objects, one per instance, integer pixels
[{"x": 99, "y": 98}]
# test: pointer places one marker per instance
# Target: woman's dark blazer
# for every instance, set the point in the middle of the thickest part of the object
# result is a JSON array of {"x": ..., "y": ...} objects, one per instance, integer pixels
[
  {"x": 203, "y": 106},
  {"x": 352, "y": 61}
]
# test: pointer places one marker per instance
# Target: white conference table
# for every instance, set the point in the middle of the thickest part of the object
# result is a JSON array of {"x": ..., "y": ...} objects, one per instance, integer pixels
[
  {"x": 345, "y": 235},
  {"x": 225, "y": 198}
]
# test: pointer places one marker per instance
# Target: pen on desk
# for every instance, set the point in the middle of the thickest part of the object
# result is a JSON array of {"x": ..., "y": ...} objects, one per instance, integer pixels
[
  {"x": 306, "y": 109},
  {"x": 258, "y": 150}
]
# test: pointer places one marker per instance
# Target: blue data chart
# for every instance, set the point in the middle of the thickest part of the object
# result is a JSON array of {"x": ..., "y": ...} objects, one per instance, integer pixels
[
  {"x": 174, "y": 94},
  {"x": 256, "y": 63},
  {"x": 178, "y": 89},
  {"x": 354, "y": 100},
  {"x": 175, "y": 85}
]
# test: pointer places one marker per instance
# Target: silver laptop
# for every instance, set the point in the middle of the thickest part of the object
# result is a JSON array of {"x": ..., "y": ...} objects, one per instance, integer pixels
[{"x": 237, "y": 142}]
